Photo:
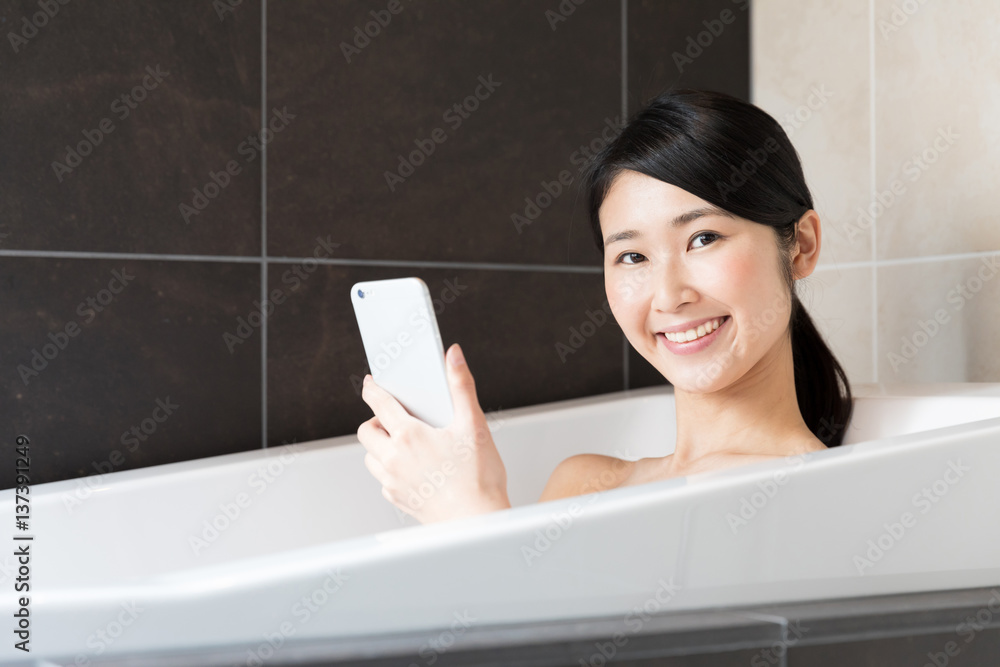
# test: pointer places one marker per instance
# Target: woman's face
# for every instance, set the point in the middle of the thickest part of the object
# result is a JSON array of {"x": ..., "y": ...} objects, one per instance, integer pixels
[{"x": 678, "y": 262}]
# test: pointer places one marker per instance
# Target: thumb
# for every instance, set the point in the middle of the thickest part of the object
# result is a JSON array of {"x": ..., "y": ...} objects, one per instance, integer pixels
[{"x": 462, "y": 385}]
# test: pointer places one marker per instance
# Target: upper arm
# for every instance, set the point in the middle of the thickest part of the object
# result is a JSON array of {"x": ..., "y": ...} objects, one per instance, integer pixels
[{"x": 584, "y": 473}]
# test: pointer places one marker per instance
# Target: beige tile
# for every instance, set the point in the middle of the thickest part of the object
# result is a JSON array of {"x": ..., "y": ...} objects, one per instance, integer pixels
[
  {"x": 840, "y": 304},
  {"x": 938, "y": 321},
  {"x": 816, "y": 52},
  {"x": 940, "y": 69}
]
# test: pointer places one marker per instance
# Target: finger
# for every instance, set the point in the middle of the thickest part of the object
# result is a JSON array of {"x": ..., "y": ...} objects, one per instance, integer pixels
[
  {"x": 374, "y": 438},
  {"x": 462, "y": 386},
  {"x": 390, "y": 412}
]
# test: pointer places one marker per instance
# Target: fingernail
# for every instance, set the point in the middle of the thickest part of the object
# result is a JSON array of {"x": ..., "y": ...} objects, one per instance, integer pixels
[{"x": 457, "y": 359}]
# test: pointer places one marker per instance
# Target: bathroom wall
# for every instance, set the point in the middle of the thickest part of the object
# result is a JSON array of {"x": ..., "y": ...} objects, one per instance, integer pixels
[
  {"x": 170, "y": 166},
  {"x": 893, "y": 107}
]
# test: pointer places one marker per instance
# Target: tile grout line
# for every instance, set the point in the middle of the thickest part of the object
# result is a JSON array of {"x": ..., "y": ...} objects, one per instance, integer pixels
[
  {"x": 902, "y": 261},
  {"x": 874, "y": 194},
  {"x": 242, "y": 259},
  {"x": 624, "y": 57},
  {"x": 405, "y": 263},
  {"x": 624, "y": 92},
  {"x": 263, "y": 225}
]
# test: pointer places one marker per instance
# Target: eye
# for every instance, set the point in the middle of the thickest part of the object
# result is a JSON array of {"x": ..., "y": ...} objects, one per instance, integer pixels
[
  {"x": 702, "y": 234},
  {"x": 627, "y": 254}
]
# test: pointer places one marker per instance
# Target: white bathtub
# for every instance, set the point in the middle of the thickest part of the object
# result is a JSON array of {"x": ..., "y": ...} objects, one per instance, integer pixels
[{"x": 306, "y": 548}]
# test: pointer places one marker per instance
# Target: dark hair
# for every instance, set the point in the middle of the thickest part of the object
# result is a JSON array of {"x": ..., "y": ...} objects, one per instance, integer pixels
[{"x": 735, "y": 156}]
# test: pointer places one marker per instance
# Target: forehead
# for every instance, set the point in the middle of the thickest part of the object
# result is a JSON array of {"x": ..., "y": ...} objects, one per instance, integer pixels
[{"x": 635, "y": 197}]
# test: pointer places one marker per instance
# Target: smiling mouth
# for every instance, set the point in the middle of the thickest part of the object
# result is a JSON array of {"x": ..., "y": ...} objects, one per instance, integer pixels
[{"x": 698, "y": 333}]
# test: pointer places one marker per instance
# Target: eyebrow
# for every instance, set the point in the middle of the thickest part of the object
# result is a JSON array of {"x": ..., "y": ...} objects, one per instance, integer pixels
[{"x": 679, "y": 221}]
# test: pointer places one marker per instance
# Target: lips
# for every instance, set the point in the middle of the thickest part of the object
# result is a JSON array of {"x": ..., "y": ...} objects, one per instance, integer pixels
[{"x": 696, "y": 345}]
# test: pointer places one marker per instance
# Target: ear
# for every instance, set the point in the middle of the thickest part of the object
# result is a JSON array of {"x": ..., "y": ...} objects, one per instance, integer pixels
[{"x": 805, "y": 254}]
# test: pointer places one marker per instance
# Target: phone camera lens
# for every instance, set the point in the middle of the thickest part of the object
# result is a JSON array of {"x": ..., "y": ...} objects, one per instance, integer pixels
[{"x": 361, "y": 294}]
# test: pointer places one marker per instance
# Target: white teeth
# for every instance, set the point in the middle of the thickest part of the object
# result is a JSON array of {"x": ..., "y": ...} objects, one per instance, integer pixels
[{"x": 694, "y": 334}]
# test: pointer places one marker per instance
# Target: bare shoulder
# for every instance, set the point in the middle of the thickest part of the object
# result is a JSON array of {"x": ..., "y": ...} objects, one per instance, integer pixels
[{"x": 586, "y": 473}]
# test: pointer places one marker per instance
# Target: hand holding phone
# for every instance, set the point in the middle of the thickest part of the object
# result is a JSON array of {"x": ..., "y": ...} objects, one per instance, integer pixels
[{"x": 448, "y": 445}]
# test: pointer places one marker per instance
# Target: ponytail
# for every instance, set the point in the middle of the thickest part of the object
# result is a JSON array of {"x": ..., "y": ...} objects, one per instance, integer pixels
[{"x": 821, "y": 385}]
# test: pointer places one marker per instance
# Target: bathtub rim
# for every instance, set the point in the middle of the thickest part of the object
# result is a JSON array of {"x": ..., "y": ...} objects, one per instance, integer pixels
[{"x": 523, "y": 414}]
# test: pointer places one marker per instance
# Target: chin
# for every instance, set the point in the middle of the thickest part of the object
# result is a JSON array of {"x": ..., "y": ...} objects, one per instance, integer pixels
[{"x": 700, "y": 378}]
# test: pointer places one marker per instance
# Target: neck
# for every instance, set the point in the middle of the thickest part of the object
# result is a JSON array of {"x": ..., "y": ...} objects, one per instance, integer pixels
[{"x": 759, "y": 414}]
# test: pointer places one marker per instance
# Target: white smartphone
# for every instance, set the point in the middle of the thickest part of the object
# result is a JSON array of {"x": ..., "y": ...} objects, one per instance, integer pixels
[{"x": 403, "y": 345}]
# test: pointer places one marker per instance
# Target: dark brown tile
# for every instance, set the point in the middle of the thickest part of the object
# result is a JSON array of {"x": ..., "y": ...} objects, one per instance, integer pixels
[
  {"x": 688, "y": 44},
  {"x": 191, "y": 83},
  {"x": 557, "y": 89},
  {"x": 967, "y": 648},
  {"x": 84, "y": 364},
  {"x": 527, "y": 337}
]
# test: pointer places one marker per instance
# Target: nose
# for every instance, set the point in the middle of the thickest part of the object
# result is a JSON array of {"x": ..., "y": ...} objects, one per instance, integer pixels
[{"x": 670, "y": 287}]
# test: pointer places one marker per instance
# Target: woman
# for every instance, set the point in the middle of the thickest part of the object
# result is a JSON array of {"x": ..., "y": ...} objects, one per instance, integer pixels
[{"x": 702, "y": 213}]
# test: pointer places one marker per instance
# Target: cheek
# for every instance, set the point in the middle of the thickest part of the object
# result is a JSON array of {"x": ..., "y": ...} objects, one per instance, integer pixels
[
  {"x": 746, "y": 281},
  {"x": 623, "y": 298},
  {"x": 757, "y": 288},
  {"x": 737, "y": 272},
  {"x": 627, "y": 288}
]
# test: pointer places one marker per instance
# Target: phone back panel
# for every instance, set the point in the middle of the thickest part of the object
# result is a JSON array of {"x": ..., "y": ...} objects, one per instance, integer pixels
[{"x": 403, "y": 345}]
